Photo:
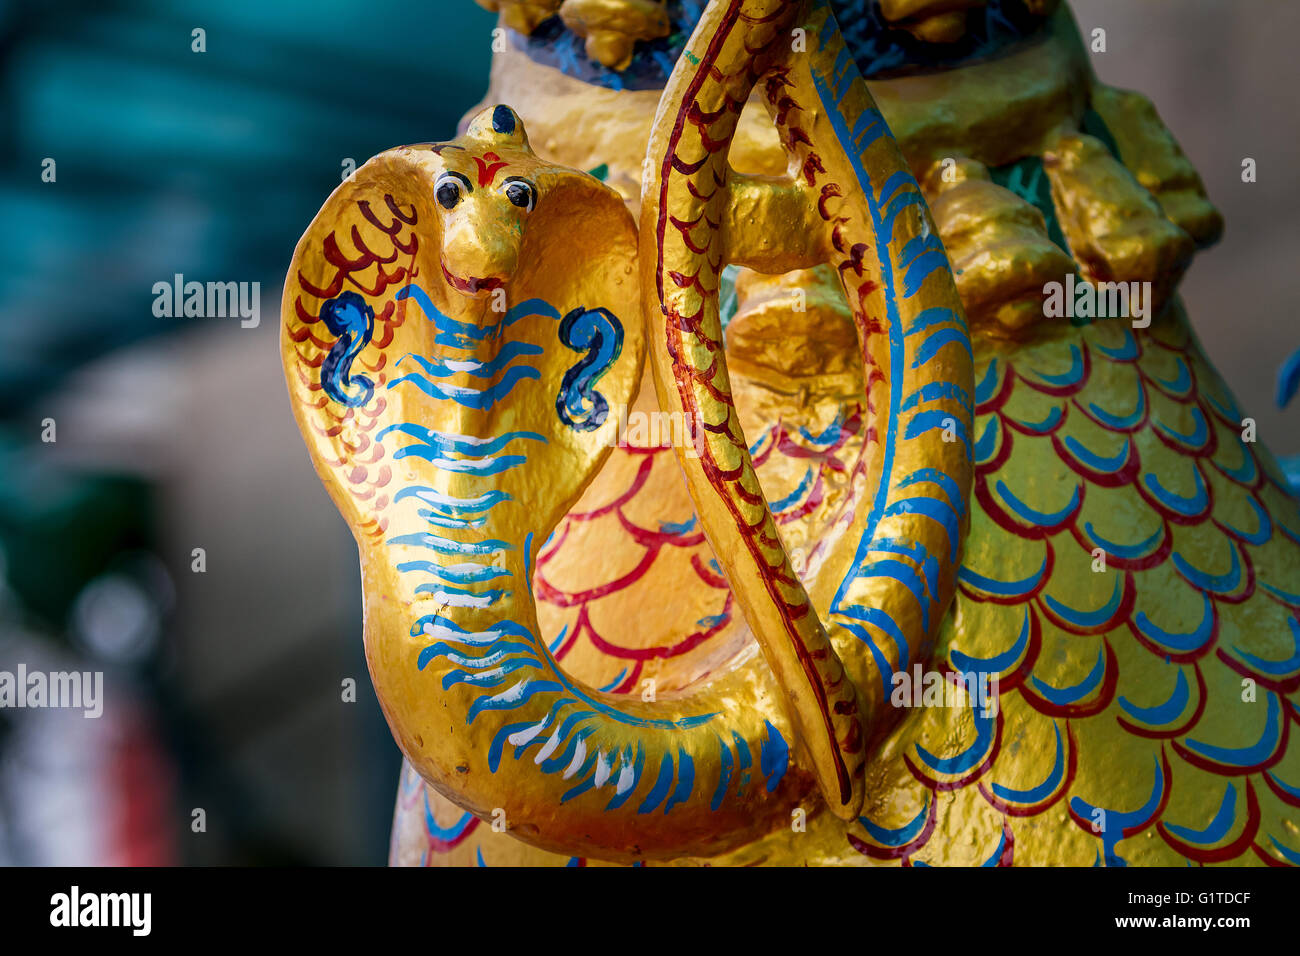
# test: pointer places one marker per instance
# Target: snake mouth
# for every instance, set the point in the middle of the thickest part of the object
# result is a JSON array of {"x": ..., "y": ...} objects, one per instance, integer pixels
[{"x": 473, "y": 285}]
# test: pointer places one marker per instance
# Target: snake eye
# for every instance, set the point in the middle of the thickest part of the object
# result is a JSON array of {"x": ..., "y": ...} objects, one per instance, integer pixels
[
  {"x": 521, "y": 193},
  {"x": 447, "y": 192}
]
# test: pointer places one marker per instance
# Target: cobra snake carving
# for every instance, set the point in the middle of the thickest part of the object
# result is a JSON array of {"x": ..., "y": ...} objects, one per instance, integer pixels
[{"x": 585, "y": 658}]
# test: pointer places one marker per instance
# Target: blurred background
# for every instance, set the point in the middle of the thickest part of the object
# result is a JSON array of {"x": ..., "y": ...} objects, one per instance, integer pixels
[{"x": 159, "y": 518}]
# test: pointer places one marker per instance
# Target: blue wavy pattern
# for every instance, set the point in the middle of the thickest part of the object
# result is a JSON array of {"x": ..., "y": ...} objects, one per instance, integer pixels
[{"x": 1117, "y": 824}]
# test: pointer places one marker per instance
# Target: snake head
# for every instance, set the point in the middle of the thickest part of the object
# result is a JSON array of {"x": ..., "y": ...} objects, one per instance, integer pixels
[{"x": 486, "y": 187}]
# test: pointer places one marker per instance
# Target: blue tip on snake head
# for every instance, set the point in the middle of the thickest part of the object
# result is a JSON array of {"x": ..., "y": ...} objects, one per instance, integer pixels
[{"x": 503, "y": 120}]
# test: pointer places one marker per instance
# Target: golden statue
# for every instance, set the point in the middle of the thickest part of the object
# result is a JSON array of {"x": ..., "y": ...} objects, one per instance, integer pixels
[{"x": 750, "y": 462}]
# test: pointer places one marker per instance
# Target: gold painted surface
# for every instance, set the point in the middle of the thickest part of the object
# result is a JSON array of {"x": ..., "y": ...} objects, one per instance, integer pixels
[
  {"x": 1090, "y": 438},
  {"x": 998, "y": 245},
  {"x": 611, "y": 27},
  {"x": 995, "y": 111},
  {"x": 521, "y": 15},
  {"x": 434, "y": 645},
  {"x": 1116, "y": 230},
  {"x": 935, "y": 21},
  {"x": 1150, "y": 152}
]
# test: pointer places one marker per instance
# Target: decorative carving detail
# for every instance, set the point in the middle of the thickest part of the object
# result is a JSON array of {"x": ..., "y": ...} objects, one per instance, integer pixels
[{"x": 908, "y": 448}]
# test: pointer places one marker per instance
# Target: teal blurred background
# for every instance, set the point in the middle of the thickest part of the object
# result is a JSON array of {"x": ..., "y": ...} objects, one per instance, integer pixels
[{"x": 170, "y": 160}]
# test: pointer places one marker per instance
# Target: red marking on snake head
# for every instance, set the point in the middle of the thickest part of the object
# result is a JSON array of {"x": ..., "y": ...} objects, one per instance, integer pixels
[{"x": 488, "y": 167}]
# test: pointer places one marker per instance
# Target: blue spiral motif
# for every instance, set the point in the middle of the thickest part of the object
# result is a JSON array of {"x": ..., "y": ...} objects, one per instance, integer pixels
[
  {"x": 349, "y": 318},
  {"x": 598, "y": 333}
]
